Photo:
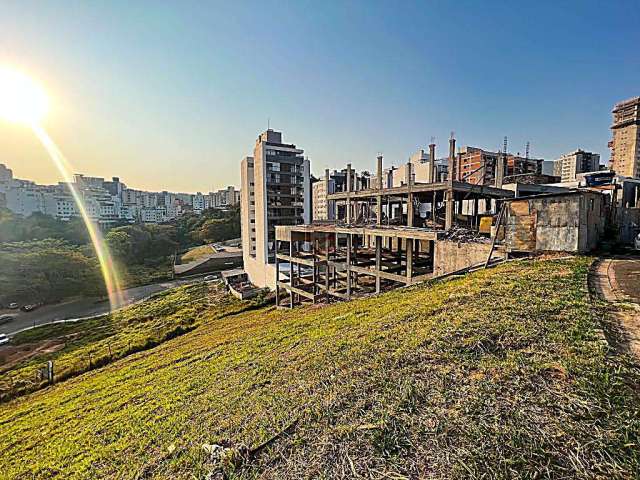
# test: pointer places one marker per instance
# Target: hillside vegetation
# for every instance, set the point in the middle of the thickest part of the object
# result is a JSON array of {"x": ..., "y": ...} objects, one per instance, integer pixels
[
  {"x": 77, "y": 347},
  {"x": 43, "y": 259},
  {"x": 500, "y": 374},
  {"x": 47, "y": 271}
]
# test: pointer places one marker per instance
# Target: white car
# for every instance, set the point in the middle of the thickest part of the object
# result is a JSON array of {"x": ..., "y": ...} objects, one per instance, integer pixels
[
  {"x": 210, "y": 278},
  {"x": 638, "y": 242},
  {"x": 3, "y": 339}
]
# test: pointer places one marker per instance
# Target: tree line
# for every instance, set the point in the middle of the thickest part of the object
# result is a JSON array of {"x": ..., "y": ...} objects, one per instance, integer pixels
[{"x": 44, "y": 259}]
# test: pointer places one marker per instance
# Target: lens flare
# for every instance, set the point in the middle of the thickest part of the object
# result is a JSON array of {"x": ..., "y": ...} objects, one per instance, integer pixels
[
  {"x": 109, "y": 272},
  {"x": 23, "y": 101}
]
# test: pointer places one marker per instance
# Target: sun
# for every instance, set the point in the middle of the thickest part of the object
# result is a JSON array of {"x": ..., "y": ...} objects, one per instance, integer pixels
[{"x": 22, "y": 100}]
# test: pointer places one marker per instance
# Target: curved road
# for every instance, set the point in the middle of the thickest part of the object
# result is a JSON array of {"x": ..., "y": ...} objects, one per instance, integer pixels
[
  {"x": 617, "y": 280},
  {"x": 627, "y": 275},
  {"x": 83, "y": 307}
]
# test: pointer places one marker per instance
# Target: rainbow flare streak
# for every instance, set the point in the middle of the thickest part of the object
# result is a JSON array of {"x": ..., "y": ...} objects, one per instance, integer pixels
[{"x": 109, "y": 272}]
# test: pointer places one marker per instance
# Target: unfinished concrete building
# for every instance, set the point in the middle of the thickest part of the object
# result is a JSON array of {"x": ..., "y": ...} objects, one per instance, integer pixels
[{"x": 387, "y": 237}]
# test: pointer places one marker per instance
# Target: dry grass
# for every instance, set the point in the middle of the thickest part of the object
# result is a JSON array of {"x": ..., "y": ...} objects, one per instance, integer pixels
[
  {"x": 500, "y": 374},
  {"x": 78, "y": 347},
  {"x": 196, "y": 253}
]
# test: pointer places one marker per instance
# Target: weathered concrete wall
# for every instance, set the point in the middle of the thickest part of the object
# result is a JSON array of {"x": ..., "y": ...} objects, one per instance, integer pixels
[
  {"x": 451, "y": 256},
  {"x": 557, "y": 223},
  {"x": 593, "y": 217},
  {"x": 260, "y": 274},
  {"x": 563, "y": 223},
  {"x": 628, "y": 223}
]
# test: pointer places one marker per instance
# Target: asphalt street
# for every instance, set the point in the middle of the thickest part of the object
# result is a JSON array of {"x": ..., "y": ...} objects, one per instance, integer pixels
[{"x": 83, "y": 307}]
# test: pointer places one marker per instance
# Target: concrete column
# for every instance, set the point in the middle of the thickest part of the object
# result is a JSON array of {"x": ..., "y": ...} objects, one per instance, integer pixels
[
  {"x": 378, "y": 261},
  {"x": 326, "y": 244},
  {"x": 277, "y": 276},
  {"x": 452, "y": 160},
  {"x": 432, "y": 159},
  {"x": 499, "y": 171},
  {"x": 349, "y": 187},
  {"x": 355, "y": 258},
  {"x": 433, "y": 206},
  {"x": 409, "y": 182},
  {"x": 379, "y": 186},
  {"x": 349, "y": 242},
  {"x": 450, "y": 176},
  {"x": 409, "y": 242},
  {"x": 449, "y": 203},
  {"x": 330, "y": 203},
  {"x": 335, "y": 270},
  {"x": 315, "y": 268},
  {"x": 291, "y": 270}
]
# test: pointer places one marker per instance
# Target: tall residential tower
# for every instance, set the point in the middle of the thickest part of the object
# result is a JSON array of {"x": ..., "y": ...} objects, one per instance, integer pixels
[
  {"x": 275, "y": 190},
  {"x": 579, "y": 161},
  {"x": 625, "y": 145}
]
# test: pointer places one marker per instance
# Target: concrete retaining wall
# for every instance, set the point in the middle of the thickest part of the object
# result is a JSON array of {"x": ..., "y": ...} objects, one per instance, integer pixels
[{"x": 452, "y": 256}]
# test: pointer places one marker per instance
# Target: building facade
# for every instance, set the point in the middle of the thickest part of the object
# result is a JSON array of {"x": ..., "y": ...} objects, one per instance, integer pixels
[
  {"x": 478, "y": 166},
  {"x": 275, "y": 190},
  {"x": 421, "y": 169},
  {"x": 333, "y": 182},
  {"x": 625, "y": 144},
  {"x": 579, "y": 161},
  {"x": 107, "y": 202}
]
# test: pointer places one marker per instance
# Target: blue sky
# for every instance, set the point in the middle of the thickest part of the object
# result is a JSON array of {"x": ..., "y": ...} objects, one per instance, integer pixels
[{"x": 171, "y": 95}]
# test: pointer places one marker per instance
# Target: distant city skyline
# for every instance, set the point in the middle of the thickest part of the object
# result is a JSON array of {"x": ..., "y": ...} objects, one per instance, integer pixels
[
  {"x": 173, "y": 96},
  {"x": 130, "y": 185}
]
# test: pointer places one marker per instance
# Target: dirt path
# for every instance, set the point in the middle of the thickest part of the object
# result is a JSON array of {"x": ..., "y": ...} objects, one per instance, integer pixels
[{"x": 617, "y": 280}]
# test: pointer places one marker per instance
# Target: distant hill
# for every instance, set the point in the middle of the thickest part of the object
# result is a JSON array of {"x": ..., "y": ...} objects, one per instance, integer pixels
[{"x": 503, "y": 373}]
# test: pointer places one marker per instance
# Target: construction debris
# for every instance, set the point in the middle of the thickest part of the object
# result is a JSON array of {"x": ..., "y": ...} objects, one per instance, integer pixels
[{"x": 465, "y": 235}]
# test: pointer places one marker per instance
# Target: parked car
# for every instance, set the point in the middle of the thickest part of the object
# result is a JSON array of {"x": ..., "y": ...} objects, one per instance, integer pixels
[
  {"x": 3, "y": 339},
  {"x": 13, "y": 306},
  {"x": 638, "y": 242},
  {"x": 5, "y": 319},
  {"x": 210, "y": 278}
]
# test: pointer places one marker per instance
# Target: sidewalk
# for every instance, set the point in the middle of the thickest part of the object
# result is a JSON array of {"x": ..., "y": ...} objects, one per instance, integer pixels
[{"x": 605, "y": 279}]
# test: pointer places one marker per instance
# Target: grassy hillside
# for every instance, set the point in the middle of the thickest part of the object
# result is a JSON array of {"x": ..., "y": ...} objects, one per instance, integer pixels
[
  {"x": 499, "y": 374},
  {"x": 81, "y": 346},
  {"x": 196, "y": 253}
]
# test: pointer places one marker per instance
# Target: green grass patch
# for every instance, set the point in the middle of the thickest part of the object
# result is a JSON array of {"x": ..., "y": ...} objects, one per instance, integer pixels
[{"x": 499, "y": 374}]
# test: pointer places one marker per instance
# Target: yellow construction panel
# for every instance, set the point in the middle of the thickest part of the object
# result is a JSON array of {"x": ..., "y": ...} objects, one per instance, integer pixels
[{"x": 485, "y": 224}]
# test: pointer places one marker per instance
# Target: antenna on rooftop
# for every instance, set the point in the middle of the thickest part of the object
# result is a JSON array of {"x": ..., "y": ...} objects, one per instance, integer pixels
[
  {"x": 504, "y": 146},
  {"x": 526, "y": 150},
  {"x": 268, "y": 123}
]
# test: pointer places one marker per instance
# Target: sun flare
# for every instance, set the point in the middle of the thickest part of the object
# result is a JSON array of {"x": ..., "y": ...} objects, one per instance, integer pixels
[{"x": 22, "y": 100}]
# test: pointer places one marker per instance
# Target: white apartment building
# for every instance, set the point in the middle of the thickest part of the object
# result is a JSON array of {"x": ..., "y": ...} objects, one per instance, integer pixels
[
  {"x": 576, "y": 162},
  {"x": 199, "y": 203},
  {"x": 226, "y": 197},
  {"x": 421, "y": 169},
  {"x": 106, "y": 201},
  {"x": 275, "y": 190}
]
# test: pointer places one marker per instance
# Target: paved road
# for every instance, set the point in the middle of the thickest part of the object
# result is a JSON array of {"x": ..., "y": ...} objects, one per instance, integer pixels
[
  {"x": 627, "y": 275},
  {"x": 618, "y": 281},
  {"x": 84, "y": 307}
]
